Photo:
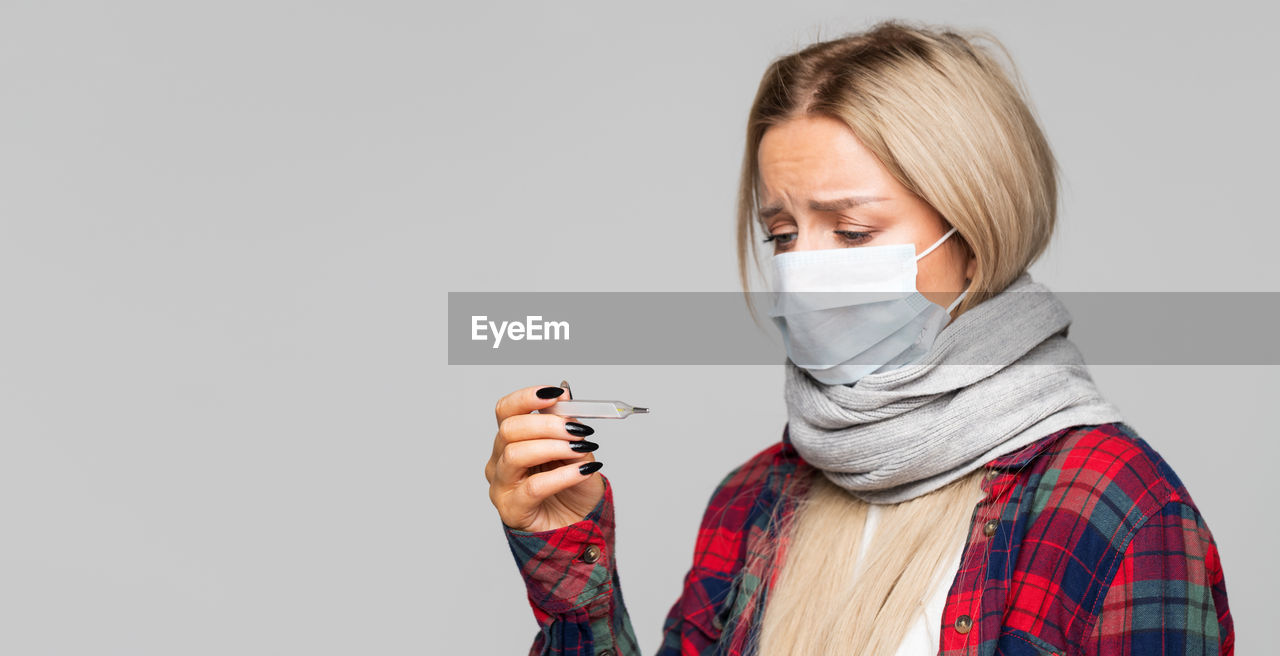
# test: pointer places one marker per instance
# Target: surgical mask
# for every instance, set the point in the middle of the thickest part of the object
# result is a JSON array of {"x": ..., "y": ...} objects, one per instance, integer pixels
[{"x": 848, "y": 312}]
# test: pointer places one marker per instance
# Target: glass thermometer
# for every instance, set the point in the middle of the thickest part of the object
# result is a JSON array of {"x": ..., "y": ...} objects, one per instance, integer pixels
[{"x": 594, "y": 409}]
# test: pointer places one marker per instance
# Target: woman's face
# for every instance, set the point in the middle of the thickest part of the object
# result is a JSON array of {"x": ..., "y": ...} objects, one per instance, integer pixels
[{"x": 824, "y": 189}]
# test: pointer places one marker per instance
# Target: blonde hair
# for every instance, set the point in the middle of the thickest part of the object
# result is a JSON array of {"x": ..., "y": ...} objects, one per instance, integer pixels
[
  {"x": 943, "y": 117},
  {"x": 953, "y": 127},
  {"x": 826, "y": 600}
]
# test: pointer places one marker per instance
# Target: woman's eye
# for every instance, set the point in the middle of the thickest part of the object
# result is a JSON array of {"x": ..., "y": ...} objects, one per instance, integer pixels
[
  {"x": 852, "y": 237},
  {"x": 783, "y": 240}
]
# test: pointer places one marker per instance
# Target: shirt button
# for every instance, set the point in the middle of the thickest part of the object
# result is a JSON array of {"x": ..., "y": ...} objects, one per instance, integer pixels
[
  {"x": 717, "y": 622},
  {"x": 591, "y": 554},
  {"x": 992, "y": 474},
  {"x": 963, "y": 624},
  {"x": 989, "y": 529}
]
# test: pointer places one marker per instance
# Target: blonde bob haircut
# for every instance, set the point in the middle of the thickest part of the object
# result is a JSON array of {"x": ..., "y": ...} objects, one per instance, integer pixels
[{"x": 943, "y": 117}]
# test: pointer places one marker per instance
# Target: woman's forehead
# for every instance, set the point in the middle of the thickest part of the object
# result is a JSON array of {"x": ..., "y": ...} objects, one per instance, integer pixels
[{"x": 816, "y": 159}]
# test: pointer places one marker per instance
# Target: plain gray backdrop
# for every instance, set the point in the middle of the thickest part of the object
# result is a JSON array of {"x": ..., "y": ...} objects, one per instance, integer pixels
[{"x": 227, "y": 230}]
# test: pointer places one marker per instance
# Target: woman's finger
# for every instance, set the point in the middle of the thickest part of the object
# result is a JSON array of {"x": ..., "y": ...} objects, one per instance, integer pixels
[
  {"x": 517, "y": 428},
  {"x": 519, "y": 457},
  {"x": 526, "y": 400},
  {"x": 537, "y": 488}
]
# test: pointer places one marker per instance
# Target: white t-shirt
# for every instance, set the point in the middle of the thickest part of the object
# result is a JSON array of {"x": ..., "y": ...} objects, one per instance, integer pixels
[{"x": 922, "y": 636}]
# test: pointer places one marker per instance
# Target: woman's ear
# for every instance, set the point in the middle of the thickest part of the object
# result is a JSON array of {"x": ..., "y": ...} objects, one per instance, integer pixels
[{"x": 971, "y": 262}]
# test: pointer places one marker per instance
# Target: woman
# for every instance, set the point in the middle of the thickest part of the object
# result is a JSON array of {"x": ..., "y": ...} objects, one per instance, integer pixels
[{"x": 913, "y": 506}]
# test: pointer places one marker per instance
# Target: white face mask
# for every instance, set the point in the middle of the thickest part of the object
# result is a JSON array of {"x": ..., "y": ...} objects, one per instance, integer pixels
[{"x": 864, "y": 315}]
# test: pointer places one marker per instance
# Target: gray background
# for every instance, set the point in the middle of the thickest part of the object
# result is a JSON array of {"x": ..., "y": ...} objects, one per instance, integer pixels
[{"x": 227, "y": 424}]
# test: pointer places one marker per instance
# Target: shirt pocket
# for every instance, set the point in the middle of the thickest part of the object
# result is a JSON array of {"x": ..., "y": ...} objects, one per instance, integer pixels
[{"x": 1015, "y": 642}]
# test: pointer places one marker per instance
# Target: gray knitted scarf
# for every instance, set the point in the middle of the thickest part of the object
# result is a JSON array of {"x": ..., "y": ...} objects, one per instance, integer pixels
[{"x": 999, "y": 377}]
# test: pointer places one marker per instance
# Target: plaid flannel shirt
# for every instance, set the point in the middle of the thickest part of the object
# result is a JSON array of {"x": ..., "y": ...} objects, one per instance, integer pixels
[{"x": 1086, "y": 542}]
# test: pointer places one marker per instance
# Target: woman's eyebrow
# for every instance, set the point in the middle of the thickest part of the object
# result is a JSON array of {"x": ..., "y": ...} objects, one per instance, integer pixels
[{"x": 833, "y": 205}]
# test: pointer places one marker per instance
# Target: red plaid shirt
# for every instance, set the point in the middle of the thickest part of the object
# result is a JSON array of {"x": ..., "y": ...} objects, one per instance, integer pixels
[{"x": 1085, "y": 543}]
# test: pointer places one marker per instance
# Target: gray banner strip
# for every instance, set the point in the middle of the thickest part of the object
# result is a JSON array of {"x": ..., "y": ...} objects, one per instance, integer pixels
[{"x": 716, "y": 328}]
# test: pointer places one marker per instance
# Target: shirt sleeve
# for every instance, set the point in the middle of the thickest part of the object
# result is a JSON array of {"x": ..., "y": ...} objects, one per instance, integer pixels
[
  {"x": 1168, "y": 595},
  {"x": 571, "y": 577}
]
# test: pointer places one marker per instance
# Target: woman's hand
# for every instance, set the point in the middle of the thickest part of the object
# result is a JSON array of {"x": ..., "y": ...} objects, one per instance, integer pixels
[{"x": 536, "y": 477}]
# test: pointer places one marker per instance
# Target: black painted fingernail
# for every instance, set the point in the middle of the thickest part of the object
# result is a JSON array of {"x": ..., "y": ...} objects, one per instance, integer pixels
[
  {"x": 550, "y": 392},
  {"x": 578, "y": 430},
  {"x": 583, "y": 446},
  {"x": 590, "y": 467}
]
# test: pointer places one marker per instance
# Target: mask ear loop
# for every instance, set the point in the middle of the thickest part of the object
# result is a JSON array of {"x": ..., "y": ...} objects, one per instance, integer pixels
[
  {"x": 936, "y": 244},
  {"x": 929, "y": 250},
  {"x": 957, "y": 301}
]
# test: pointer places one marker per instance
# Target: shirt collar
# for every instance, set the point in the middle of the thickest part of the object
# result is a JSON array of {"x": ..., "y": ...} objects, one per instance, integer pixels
[{"x": 1026, "y": 454}]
